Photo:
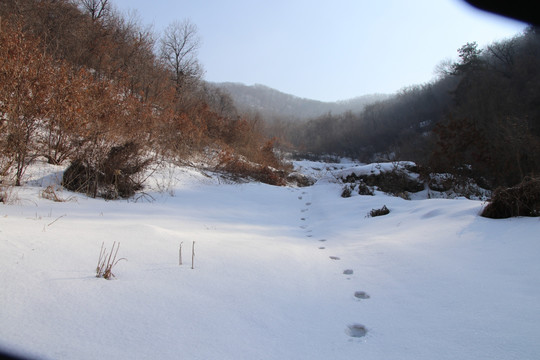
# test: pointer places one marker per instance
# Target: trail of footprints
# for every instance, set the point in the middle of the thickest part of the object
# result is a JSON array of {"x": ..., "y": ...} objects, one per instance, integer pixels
[{"x": 353, "y": 330}]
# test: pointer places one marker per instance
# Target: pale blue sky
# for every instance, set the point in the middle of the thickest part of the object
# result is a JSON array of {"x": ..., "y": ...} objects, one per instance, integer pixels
[{"x": 327, "y": 50}]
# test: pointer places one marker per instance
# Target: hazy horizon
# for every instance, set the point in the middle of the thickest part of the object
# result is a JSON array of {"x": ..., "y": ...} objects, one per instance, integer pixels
[{"x": 327, "y": 51}]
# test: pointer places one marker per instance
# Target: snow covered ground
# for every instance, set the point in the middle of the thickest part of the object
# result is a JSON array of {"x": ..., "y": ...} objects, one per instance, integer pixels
[{"x": 279, "y": 273}]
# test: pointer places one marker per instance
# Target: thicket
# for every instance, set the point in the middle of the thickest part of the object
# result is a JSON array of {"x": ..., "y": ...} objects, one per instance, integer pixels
[
  {"x": 520, "y": 200},
  {"x": 479, "y": 118},
  {"x": 81, "y": 84},
  {"x": 396, "y": 182}
]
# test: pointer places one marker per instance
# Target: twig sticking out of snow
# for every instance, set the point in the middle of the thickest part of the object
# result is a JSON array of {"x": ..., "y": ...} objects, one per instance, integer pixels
[
  {"x": 192, "y": 255},
  {"x": 180, "y": 254},
  {"x": 58, "y": 218}
]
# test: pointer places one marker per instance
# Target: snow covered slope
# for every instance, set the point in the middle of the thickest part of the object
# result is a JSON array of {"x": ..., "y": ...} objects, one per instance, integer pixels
[{"x": 279, "y": 273}]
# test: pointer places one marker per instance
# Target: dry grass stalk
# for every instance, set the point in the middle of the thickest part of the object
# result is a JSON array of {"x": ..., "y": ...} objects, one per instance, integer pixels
[
  {"x": 6, "y": 193},
  {"x": 180, "y": 254},
  {"x": 107, "y": 261},
  {"x": 51, "y": 193}
]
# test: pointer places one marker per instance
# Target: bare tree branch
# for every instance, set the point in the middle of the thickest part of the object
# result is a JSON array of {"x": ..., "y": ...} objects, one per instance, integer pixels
[{"x": 96, "y": 8}]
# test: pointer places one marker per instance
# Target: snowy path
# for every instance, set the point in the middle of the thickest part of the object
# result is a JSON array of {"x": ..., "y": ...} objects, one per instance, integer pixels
[{"x": 309, "y": 224}]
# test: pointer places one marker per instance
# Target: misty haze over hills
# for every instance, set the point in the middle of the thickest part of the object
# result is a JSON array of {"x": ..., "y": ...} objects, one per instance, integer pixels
[{"x": 272, "y": 103}]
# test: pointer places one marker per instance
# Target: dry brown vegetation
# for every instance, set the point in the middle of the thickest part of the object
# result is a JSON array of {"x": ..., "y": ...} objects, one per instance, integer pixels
[
  {"x": 520, "y": 200},
  {"x": 80, "y": 84},
  {"x": 379, "y": 212}
]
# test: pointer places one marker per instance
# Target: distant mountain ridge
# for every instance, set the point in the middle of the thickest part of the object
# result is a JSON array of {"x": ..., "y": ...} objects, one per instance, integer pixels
[{"x": 273, "y": 103}]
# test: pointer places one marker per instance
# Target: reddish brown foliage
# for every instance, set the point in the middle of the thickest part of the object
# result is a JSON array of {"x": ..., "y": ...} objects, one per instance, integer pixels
[{"x": 57, "y": 103}]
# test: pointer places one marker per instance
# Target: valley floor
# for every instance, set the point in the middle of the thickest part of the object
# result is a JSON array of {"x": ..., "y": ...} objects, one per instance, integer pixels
[{"x": 278, "y": 273}]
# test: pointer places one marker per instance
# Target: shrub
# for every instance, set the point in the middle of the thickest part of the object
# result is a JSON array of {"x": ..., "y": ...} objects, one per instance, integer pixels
[
  {"x": 77, "y": 177},
  {"x": 520, "y": 200},
  {"x": 240, "y": 167},
  {"x": 441, "y": 182},
  {"x": 379, "y": 212},
  {"x": 113, "y": 178},
  {"x": 122, "y": 164},
  {"x": 363, "y": 189},
  {"x": 300, "y": 180},
  {"x": 347, "y": 191},
  {"x": 392, "y": 182},
  {"x": 460, "y": 185}
]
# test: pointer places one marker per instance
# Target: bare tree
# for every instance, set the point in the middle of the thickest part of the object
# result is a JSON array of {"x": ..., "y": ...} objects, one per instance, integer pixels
[
  {"x": 502, "y": 55},
  {"x": 96, "y": 8},
  {"x": 444, "y": 68},
  {"x": 179, "y": 46}
]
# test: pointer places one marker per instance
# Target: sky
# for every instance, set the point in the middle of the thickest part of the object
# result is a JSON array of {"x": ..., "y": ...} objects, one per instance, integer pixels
[{"x": 326, "y": 50}]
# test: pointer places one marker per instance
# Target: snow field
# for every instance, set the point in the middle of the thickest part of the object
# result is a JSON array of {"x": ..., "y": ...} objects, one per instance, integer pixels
[{"x": 279, "y": 273}]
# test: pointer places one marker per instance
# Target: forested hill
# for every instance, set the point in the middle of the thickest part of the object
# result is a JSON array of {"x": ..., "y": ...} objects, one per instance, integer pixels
[
  {"x": 271, "y": 103},
  {"x": 83, "y": 86},
  {"x": 480, "y": 117}
]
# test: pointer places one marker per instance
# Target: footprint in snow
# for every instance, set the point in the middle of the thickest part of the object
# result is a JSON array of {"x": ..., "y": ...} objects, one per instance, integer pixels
[
  {"x": 322, "y": 240},
  {"x": 299, "y": 198},
  {"x": 356, "y": 330},
  {"x": 334, "y": 258},
  {"x": 321, "y": 248},
  {"x": 308, "y": 203},
  {"x": 361, "y": 295},
  {"x": 348, "y": 272}
]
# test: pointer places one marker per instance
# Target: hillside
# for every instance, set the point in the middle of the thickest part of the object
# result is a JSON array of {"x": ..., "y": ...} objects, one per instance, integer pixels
[
  {"x": 110, "y": 113},
  {"x": 479, "y": 118},
  {"x": 273, "y": 103}
]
